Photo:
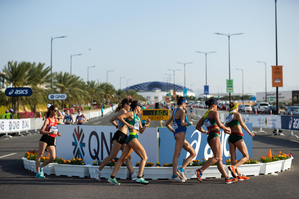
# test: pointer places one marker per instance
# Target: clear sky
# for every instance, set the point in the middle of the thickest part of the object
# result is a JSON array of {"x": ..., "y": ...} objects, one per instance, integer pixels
[{"x": 141, "y": 39}]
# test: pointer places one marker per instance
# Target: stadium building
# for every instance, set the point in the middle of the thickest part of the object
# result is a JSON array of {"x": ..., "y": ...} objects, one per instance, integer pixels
[{"x": 156, "y": 91}]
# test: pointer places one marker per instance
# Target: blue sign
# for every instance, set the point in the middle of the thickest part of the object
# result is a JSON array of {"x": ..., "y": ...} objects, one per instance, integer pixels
[
  {"x": 290, "y": 122},
  {"x": 199, "y": 142},
  {"x": 253, "y": 98},
  {"x": 206, "y": 89},
  {"x": 185, "y": 92},
  {"x": 16, "y": 92}
]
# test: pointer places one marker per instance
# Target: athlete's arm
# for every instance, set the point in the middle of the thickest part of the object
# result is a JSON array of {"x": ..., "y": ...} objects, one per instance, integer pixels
[
  {"x": 183, "y": 123},
  {"x": 199, "y": 125},
  {"x": 84, "y": 118},
  {"x": 216, "y": 117},
  {"x": 113, "y": 122},
  {"x": 142, "y": 128},
  {"x": 122, "y": 118},
  {"x": 42, "y": 130},
  {"x": 168, "y": 124},
  {"x": 239, "y": 118},
  {"x": 76, "y": 119}
]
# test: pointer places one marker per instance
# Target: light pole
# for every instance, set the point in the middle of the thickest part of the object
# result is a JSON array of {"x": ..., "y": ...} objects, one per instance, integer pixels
[
  {"x": 71, "y": 61},
  {"x": 52, "y": 38},
  {"x": 169, "y": 79},
  {"x": 120, "y": 81},
  {"x": 242, "y": 84},
  {"x": 228, "y": 36},
  {"x": 185, "y": 72},
  {"x": 107, "y": 75},
  {"x": 128, "y": 82},
  {"x": 88, "y": 71},
  {"x": 174, "y": 77},
  {"x": 265, "y": 78}
]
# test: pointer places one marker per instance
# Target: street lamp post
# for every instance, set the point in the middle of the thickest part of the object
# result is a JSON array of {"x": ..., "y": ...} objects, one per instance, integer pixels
[
  {"x": 228, "y": 36},
  {"x": 71, "y": 61},
  {"x": 88, "y": 71},
  {"x": 128, "y": 82},
  {"x": 120, "y": 81},
  {"x": 169, "y": 79},
  {"x": 185, "y": 71},
  {"x": 174, "y": 77},
  {"x": 265, "y": 78},
  {"x": 107, "y": 75},
  {"x": 242, "y": 84},
  {"x": 52, "y": 38}
]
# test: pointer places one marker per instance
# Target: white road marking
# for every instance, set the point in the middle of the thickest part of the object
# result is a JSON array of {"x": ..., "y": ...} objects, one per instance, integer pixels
[
  {"x": 7, "y": 155},
  {"x": 98, "y": 122},
  {"x": 295, "y": 141}
]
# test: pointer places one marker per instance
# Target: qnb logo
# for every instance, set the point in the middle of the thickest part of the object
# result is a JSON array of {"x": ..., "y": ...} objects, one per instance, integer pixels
[
  {"x": 10, "y": 125},
  {"x": 2, "y": 125},
  {"x": 78, "y": 143},
  {"x": 52, "y": 96}
]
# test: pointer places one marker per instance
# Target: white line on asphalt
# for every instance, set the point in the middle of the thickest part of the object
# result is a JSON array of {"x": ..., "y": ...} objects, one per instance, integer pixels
[
  {"x": 7, "y": 155},
  {"x": 98, "y": 122},
  {"x": 295, "y": 141}
]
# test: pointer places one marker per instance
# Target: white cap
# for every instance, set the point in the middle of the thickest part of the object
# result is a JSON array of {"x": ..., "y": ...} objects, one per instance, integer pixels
[{"x": 48, "y": 105}]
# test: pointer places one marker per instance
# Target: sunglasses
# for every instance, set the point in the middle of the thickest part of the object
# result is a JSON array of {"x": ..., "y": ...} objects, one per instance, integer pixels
[{"x": 55, "y": 110}]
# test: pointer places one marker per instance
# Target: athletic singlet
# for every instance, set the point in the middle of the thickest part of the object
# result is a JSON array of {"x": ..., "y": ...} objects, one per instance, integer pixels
[
  {"x": 80, "y": 117},
  {"x": 135, "y": 122},
  {"x": 191, "y": 108},
  {"x": 209, "y": 123},
  {"x": 119, "y": 123},
  {"x": 231, "y": 122},
  {"x": 68, "y": 118},
  {"x": 177, "y": 126},
  {"x": 52, "y": 126}
]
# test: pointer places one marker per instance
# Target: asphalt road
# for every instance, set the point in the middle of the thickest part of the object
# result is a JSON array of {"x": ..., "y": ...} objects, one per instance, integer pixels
[{"x": 16, "y": 182}]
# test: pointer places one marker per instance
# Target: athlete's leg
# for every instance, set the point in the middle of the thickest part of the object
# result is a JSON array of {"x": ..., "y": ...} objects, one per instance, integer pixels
[
  {"x": 41, "y": 150},
  {"x": 233, "y": 153},
  {"x": 139, "y": 150},
  {"x": 126, "y": 152},
  {"x": 114, "y": 151},
  {"x": 128, "y": 161},
  {"x": 52, "y": 151},
  {"x": 243, "y": 149},
  {"x": 192, "y": 153},
  {"x": 179, "y": 143}
]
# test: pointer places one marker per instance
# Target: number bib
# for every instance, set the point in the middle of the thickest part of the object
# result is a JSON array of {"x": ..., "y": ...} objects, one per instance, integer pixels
[{"x": 53, "y": 129}]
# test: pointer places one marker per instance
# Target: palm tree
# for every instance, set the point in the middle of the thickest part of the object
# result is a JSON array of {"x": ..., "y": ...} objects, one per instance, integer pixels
[
  {"x": 71, "y": 85},
  {"x": 17, "y": 75},
  {"x": 106, "y": 91},
  {"x": 93, "y": 90}
]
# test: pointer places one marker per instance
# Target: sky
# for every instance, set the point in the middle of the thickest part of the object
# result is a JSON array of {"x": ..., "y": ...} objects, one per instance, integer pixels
[{"x": 140, "y": 40}]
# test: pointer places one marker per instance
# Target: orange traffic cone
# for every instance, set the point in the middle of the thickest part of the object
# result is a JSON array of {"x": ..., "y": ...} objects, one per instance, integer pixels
[{"x": 269, "y": 153}]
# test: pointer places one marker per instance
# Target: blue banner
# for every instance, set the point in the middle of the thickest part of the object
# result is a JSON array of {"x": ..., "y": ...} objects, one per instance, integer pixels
[
  {"x": 290, "y": 122},
  {"x": 185, "y": 92},
  {"x": 199, "y": 142},
  {"x": 206, "y": 89},
  {"x": 20, "y": 91}
]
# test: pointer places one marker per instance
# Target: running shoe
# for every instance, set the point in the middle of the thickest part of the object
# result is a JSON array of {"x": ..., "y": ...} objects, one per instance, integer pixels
[
  {"x": 243, "y": 177},
  {"x": 41, "y": 169},
  {"x": 177, "y": 179},
  {"x": 181, "y": 174},
  {"x": 134, "y": 176},
  {"x": 97, "y": 175},
  {"x": 142, "y": 181},
  {"x": 232, "y": 171},
  {"x": 113, "y": 181},
  {"x": 230, "y": 180},
  {"x": 39, "y": 175},
  {"x": 198, "y": 175}
]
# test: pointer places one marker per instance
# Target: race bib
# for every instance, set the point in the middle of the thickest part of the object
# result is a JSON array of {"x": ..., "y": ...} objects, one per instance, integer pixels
[
  {"x": 174, "y": 126},
  {"x": 136, "y": 125},
  {"x": 207, "y": 123},
  {"x": 53, "y": 129},
  {"x": 229, "y": 118}
]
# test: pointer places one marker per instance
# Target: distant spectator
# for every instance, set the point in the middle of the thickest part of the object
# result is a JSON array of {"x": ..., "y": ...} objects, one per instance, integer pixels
[
  {"x": 9, "y": 115},
  {"x": 111, "y": 106},
  {"x": 102, "y": 110},
  {"x": 4, "y": 115},
  {"x": 68, "y": 119}
]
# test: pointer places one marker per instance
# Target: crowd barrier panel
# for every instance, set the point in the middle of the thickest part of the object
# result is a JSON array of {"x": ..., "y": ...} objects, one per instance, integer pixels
[
  {"x": 16, "y": 125},
  {"x": 290, "y": 123}
]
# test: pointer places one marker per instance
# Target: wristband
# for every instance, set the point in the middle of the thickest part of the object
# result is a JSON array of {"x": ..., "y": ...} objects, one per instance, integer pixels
[{"x": 146, "y": 125}]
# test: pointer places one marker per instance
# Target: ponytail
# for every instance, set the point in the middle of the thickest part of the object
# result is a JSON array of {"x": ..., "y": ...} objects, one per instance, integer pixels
[{"x": 122, "y": 104}]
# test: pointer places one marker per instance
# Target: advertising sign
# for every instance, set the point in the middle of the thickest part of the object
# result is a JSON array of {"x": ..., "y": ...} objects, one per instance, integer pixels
[
  {"x": 20, "y": 91},
  {"x": 185, "y": 92},
  {"x": 206, "y": 89},
  {"x": 290, "y": 122},
  {"x": 174, "y": 94},
  {"x": 57, "y": 96},
  {"x": 295, "y": 98},
  {"x": 14, "y": 125},
  {"x": 277, "y": 76},
  {"x": 229, "y": 85},
  {"x": 155, "y": 114}
]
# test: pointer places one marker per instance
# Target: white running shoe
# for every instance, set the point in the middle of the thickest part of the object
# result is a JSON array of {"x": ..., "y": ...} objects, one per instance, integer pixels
[
  {"x": 181, "y": 174},
  {"x": 177, "y": 179},
  {"x": 134, "y": 176},
  {"x": 97, "y": 175}
]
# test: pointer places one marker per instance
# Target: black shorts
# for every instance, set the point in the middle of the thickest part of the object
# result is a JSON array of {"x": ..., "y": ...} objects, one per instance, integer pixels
[
  {"x": 120, "y": 137},
  {"x": 48, "y": 139}
]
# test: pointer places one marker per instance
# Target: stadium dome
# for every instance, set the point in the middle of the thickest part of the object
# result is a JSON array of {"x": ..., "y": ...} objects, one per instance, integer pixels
[{"x": 156, "y": 91}]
